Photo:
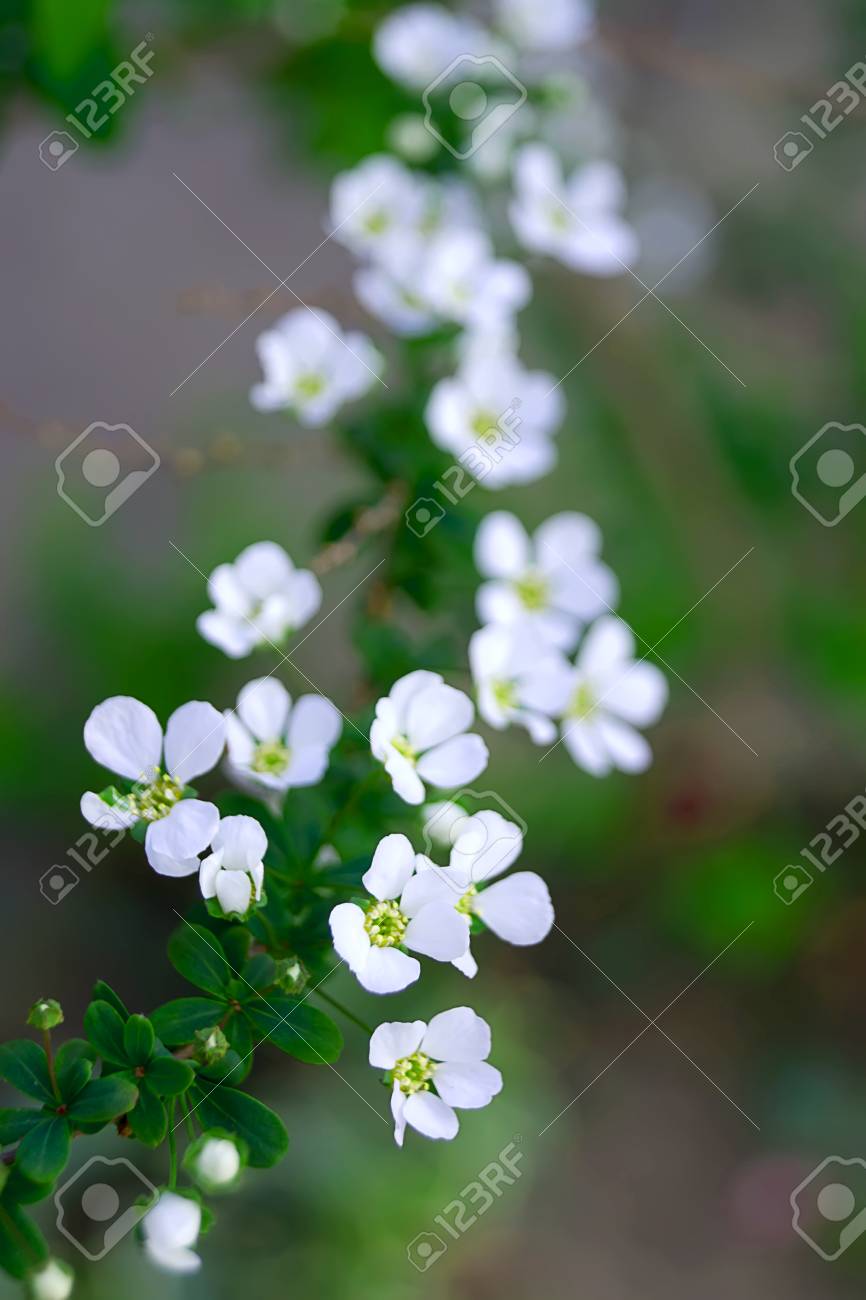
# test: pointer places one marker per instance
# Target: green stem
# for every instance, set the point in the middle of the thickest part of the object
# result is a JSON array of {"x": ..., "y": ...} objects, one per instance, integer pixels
[
  {"x": 187, "y": 1118},
  {"x": 49, "y": 1054},
  {"x": 338, "y": 1006},
  {"x": 172, "y": 1148}
]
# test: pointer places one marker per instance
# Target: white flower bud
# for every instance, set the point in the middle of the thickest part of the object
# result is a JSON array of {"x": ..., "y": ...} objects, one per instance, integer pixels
[
  {"x": 54, "y": 1281},
  {"x": 218, "y": 1162}
]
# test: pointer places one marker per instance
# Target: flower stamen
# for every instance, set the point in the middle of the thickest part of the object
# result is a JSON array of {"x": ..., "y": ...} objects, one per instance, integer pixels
[
  {"x": 385, "y": 924},
  {"x": 413, "y": 1073}
]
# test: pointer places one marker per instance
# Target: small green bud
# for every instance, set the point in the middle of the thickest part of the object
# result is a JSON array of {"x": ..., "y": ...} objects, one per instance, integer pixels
[
  {"x": 292, "y": 975},
  {"x": 45, "y": 1014},
  {"x": 211, "y": 1045}
]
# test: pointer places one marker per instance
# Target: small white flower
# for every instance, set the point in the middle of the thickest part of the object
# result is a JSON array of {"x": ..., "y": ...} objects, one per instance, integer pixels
[
  {"x": 258, "y": 600},
  {"x": 554, "y": 582},
  {"x": 417, "y": 42},
  {"x": 390, "y": 289},
  {"x": 464, "y": 282},
  {"x": 124, "y": 735},
  {"x": 473, "y": 415},
  {"x": 554, "y": 25},
  {"x": 371, "y": 939},
  {"x": 215, "y": 1163},
  {"x": 576, "y": 221},
  {"x": 311, "y": 367},
  {"x": 273, "y": 745},
  {"x": 517, "y": 910},
  {"x": 511, "y": 666},
  {"x": 234, "y": 871},
  {"x": 376, "y": 203},
  {"x": 434, "y": 1068},
  {"x": 53, "y": 1281},
  {"x": 170, "y": 1230},
  {"x": 605, "y": 696},
  {"x": 419, "y": 734}
]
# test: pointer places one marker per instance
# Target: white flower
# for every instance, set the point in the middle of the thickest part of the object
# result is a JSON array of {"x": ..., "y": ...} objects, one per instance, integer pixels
[
  {"x": 419, "y": 734},
  {"x": 53, "y": 1281},
  {"x": 311, "y": 367},
  {"x": 376, "y": 203},
  {"x": 576, "y": 221},
  {"x": 258, "y": 600},
  {"x": 510, "y": 666},
  {"x": 554, "y": 582},
  {"x": 435, "y": 1068},
  {"x": 216, "y": 1163},
  {"x": 517, "y": 910},
  {"x": 124, "y": 735},
  {"x": 417, "y": 42},
  {"x": 554, "y": 25},
  {"x": 500, "y": 413},
  {"x": 390, "y": 289},
  {"x": 274, "y": 745},
  {"x": 605, "y": 696},
  {"x": 170, "y": 1230},
  {"x": 464, "y": 282},
  {"x": 370, "y": 939},
  {"x": 234, "y": 871}
]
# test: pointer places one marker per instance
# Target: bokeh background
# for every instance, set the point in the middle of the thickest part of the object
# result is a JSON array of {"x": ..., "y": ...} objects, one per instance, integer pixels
[{"x": 670, "y": 1174}]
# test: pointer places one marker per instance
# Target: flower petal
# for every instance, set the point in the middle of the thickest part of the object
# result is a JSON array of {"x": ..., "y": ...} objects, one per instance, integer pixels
[
  {"x": 438, "y": 931},
  {"x": 437, "y": 713},
  {"x": 457, "y": 1035},
  {"x": 405, "y": 687},
  {"x": 606, "y": 648},
  {"x": 455, "y": 762},
  {"x": 584, "y": 741},
  {"x": 486, "y": 846},
  {"x": 467, "y": 965},
  {"x": 124, "y": 735},
  {"x": 187, "y": 831},
  {"x": 627, "y": 747},
  {"x": 263, "y": 707},
  {"x": 234, "y": 890},
  {"x": 404, "y": 778},
  {"x": 243, "y": 842},
  {"x": 210, "y": 869},
  {"x": 314, "y": 721},
  {"x": 518, "y": 909},
  {"x": 639, "y": 695},
  {"x": 234, "y": 636},
  {"x": 429, "y": 1115},
  {"x": 195, "y": 737},
  {"x": 398, "y": 1113},
  {"x": 392, "y": 865},
  {"x": 387, "y": 970},
  {"x": 263, "y": 569},
  {"x": 393, "y": 1040},
  {"x": 467, "y": 1084},
  {"x": 351, "y": 941},
  {"x": 226, "y": 592},
  {"x": 105, "y": 816},
  {"x": 433, "y": 885},
  {"x": 502, "y": 548}
]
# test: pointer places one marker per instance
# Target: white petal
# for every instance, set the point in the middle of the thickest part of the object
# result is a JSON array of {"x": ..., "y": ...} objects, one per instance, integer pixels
[
  {"x": 210, "y": 869},
  {"x": 566, "y": 538},
  {"x": 173, "y": 1259},
  {"x": 432, "y": 885},
  {"x": 240, "y": 744},
  {"x": 174, "y": 1222},
  {"x": 405, "y": 779},
  {"x": 105, "y": 816},
  {"x": 468, "y": 1085},
  {"x": 398, "y": 1109},
  {"x": 234, "y": 636},
  {"x": 176, "y": 868},
  {"x": 306, "y": 597},
  {"x": 518, "y": 909},
  {"x": 306, "y": 767},
  {"x": 467, "y": 965},
  {"x": 498, "y": 602},
  {"x": 351, "y": 940},
  {"x": 405, "y": 687},
  {"x": 392, "y": 865},
  {"x": 502, "y": 547},
  {"x": 607, "y": 646},
  {"x": 314, "y": 721},
  {"x": 242, "y": 841},
  {"x": 486, "y": 846},
  {"x": 124, "y": 735},
  {"x": 429, "y": 1115},
  {"x": 584, "y": 742},
  {"x": 194, "y": 740},
  {"x": 187, "y": 831},
  {"x": 387, "y": 970},
  {"x": 226, "y": 592},
  {"x": 438, "y": 931},
  {"x": 234, "y": 890},
  {"x": 455, "y": 762},
  {"x": 263, "y": 568},
  {"x": 263, "y": 707},
  {"x": 627, "y": 747},
  {"x": 457, "y": 1035},
  {"x": 435, "y": 714},
  {"x": 638, "y": 696},
  {"x": 393, "y": 1040}
]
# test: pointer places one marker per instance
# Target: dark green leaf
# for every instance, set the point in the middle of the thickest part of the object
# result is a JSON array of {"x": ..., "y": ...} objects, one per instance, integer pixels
[
  {"x": 231, "y": 1069},
  {"x": 297, "y": 1028},
  {"x": 104, "y": 1028},
  {"x": 176, "y": 1022},
  {"x": 44, "y": 1151},
  {"x": 197, "y": 955},
  {"x": 239, "y": 1034},
  {"x": 22, "y": 1246},
  {"x": 259, "y": 972},
  {"x": 138, "y": 1040},
  {"x": 168, "y": 1077},
  {"x": 15, "y": 1124},
  {"x": 148, "y": 1119},
  {"x": 235, "y": 940},
  {"x": 73, "y": 1064},
  {"x": 23, "y": 1064},
  {"x": 262, "y": 1130},
  {"x": 23, "y": 1190},
  {"x": 103, "y": 1099},
  {"x": 103, "y": 992}
]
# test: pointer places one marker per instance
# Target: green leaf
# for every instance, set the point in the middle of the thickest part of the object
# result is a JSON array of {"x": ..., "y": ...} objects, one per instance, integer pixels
[
  {"x": 22, "y": 1246},
  {"x": 262, "y": 1130},
  {"x": 148, "y": 1119},
  {"x": 23, "y": 1190},
  {"x": 103, "y": 1099},
  {"x": 103, "y": 992},
  {"x": 44, "y": 1151},
  {"x": 239, "y": 1034},
  {"x": 197, "y": 955},
  {"x": 168, "y": 1077},
  {"x": 73, "y": 1065},
  {"x": 23, "y": 1064},
  {"x": 176, "y": 1022},
  {"x": 16, "y": 1124},
  {"x": 231, "y": 1069},
  {"x": 260, "y": 971},
  {"x": 138, "y": 1039},
  {"x": 104, "y": 1028},
  {"x": 235, "y": 941},
  {"x": 297, "y": 1028}
]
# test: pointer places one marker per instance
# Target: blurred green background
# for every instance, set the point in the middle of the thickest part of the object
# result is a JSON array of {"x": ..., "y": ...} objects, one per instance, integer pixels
[{"x": 670, "y": 1175}]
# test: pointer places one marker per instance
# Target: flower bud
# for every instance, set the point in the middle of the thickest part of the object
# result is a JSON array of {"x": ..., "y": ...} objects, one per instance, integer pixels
[
  {"x": 52, "y": 1282},
  {"x": 214, "y": 1162},
  {"x": 292, "y": 975},
  {"x": 47, "y": 1013},
  {"x": 210, "y": 1045}
]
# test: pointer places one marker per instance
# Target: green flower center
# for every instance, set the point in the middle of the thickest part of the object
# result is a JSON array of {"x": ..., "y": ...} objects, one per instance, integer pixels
[
  {"x": 583, "y": 702},
  {"x": 559, "y": 216},
  {"x": 270, "y": 756},
  {"x": 309, "y": 385},
  {"x": 413, "y": 1073},
  {"x": 466, "y": 903},
  {"x": 152, "y": 802},
  {"x": 377, "y": 222},
  {"x": 385, "y": 924},
  {"x": 402, "y": 746},
  {"x": 533, "y": 590},
  {"x": 504, "y": 694},
  {"x": 484, "y": 423}
]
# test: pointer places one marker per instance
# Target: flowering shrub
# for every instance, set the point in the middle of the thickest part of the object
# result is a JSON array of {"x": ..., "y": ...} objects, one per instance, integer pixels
[{"x": 323, "y": 852}]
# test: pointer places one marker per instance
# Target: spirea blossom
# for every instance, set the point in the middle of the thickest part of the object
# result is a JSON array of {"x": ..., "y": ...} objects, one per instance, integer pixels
[
  {"x": 170, "y": 1230},
  {"x": 311, "y": 367},
  {"x": 275, "y": 745},
  {"x": 258, "y": 600}
]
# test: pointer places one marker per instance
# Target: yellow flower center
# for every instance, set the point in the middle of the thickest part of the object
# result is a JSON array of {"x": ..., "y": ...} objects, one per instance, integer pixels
[
  {"x": 402, "y": 746},
  {"x": 413, "y": 1073},
  {"x": 152, "y": 802},
  {"x": 583, "y": 702},
  {"x": 505, "y": 694},
  {"x": 385, "y": 924},
  {"x": 309, "y": 385},
  {"x": 466, "y": 902},
  {"x": 270, "y": 756},
  {"x": 533, "y": 590}
]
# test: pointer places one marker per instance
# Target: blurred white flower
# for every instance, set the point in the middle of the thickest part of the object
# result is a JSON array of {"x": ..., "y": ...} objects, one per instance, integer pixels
[
  {"x": 434, "y": 1068},
  {"x": 53, "y": 1281},
  {"x": 464, "y": 282},
  {"x": 390, "y": 290},
  {"x": 417, "y": 42},
  {"x": 233, "y": 873},
  {"x": 554, "y": 582},
  {"x": 577, "y": 221},
  {"x": 371, "y": 939},
  {"x": 553, "y": 25},
  {"x": 274, "y": 745},
  {"x": 124, "y": 735},
  {"x": 259, "y": 600},
  {"x": 170, "y": 1230},
  {"x": 214, "y": 1162},
  {"x": 375, "y": 203},
  {"x": 312, "y": 367},
  {"x": 511, "y": 665},
  {"x": 408, "y": 136},
  {"x": 419, "y": 733}
]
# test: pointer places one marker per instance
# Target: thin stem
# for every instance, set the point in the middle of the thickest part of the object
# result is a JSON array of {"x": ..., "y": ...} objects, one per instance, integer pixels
[
  {"x": 172, "y": 1148},
  {"x": 187, "y": 1119},
  {"x": 49, "y": 1053},
  {"x": 338, "y": 1006}
]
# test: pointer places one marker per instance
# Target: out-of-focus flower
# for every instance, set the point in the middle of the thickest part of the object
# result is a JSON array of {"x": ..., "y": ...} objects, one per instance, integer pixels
[
  {"x": 312, "y": 367},
  {"x": 233, "y": 873},
  {"x": 274, "y": 745},
  {"x": 376, "y": 203},
  {"x": 419, "y": 733},
  {"x": 511, "y": 665},
  {"x": 415, "y": 44},
  {"x": 259, "y": 600},
  {"x": 553, "y": 25},
  {"x": 170, "y": 1230},
  {"x": 464, "y": 282},
  {"x": 53, "y": 1281},
  {"x": 215, "y": 1161}
]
